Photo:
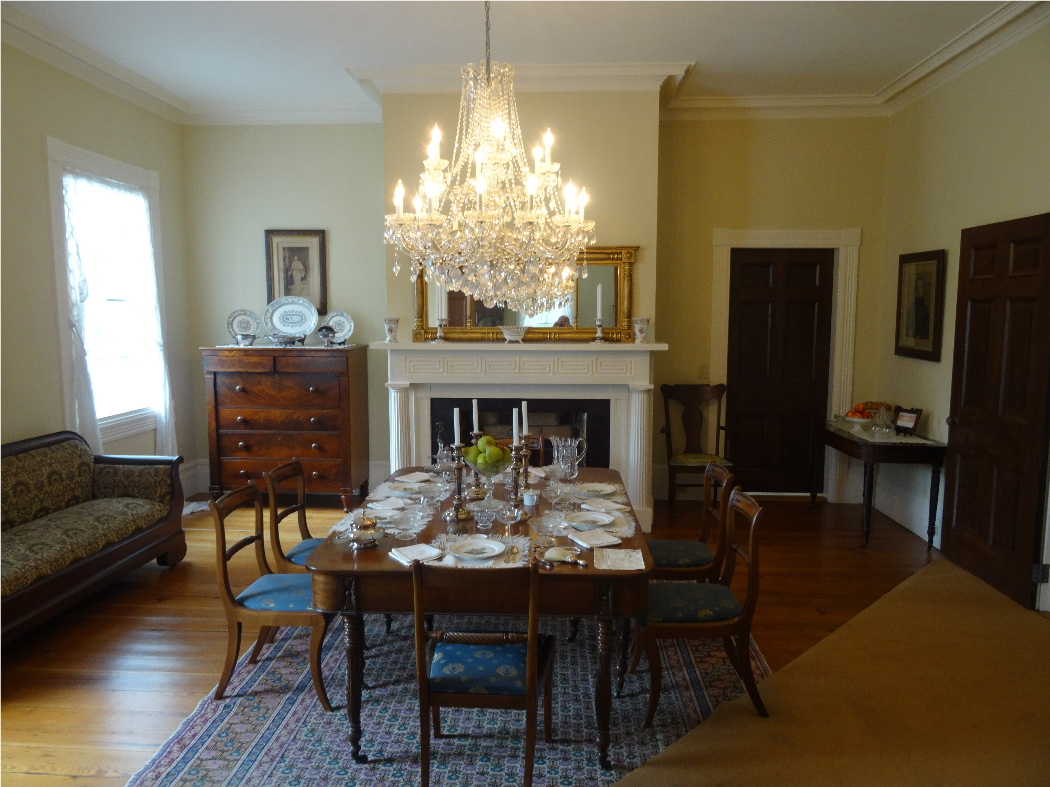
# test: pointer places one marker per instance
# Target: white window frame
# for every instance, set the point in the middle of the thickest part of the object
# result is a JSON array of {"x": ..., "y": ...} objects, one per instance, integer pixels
[{"x": 62, "y": 156}]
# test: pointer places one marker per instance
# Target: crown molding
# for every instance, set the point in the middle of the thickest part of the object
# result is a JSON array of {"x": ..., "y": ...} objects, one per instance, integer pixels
[
  {"x": 583, "y": 78},
  {"x": 283, "y": 116},
  {"x": 67, "y": 55},
  {"x": 994, "y": 33}
]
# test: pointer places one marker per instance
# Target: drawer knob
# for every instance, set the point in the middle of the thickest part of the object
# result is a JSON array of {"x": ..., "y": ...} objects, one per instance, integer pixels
[
  {"x": 239, "y": 389},
  {"x": 243, "y": 473},
  {"x": 241, "y": 419},
  {"x": 316, "y": 446},
  {"x": 313, "y": 389},
  {"x": 315, "y": 420},
  {"x": 242, "y": 446},
  {"x": 315, "y": 474}
]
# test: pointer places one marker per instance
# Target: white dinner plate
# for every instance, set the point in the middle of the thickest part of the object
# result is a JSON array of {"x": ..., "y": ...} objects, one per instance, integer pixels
[
  {"x": 341, "y": 323},
  {"x": 586, "y": 520},
  {"x": 243, "y": 321},
  {"x": 290, "y": 316},
  {"x": 476, "y": 549},
  {"x": 402, "y": 489},
  {"x": 595, "y": 490}
]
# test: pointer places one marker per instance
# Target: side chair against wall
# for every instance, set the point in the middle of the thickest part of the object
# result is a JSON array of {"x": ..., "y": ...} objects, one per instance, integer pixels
[
  {"x": 693, "y": 558},
  {"x": 705, "y": 610},
  {"x": 692, "y": 459},
  {"x": 284, "y": 478},
  {"x": 481, "y": 670},
  {"x": 271, "y": 601}
]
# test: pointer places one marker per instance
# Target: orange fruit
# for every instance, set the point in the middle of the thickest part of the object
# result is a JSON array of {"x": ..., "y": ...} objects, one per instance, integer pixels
[{"x": 859, "y": 407}]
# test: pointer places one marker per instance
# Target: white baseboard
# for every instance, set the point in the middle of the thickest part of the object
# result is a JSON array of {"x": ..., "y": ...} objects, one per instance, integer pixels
[{"x": 195, "y": 477}]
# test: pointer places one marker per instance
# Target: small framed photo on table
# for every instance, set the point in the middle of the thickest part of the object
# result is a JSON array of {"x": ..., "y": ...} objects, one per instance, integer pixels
[
  {"x": 296, "y": 264},
  {"x": 906, "y": 421},
  {"x": 920, "y": 305}
]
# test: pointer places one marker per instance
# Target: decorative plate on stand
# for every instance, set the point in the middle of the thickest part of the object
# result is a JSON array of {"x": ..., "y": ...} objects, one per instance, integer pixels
[
  {"x": 341, "y": 323},
  {"x": 244, "y": 322},
  {"x": 290, "y": 316}
]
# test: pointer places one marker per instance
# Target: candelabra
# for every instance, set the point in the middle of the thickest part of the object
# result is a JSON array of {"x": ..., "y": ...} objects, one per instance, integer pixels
[
  {"x": 477, "y": 489},
  {"x": 517, "y": 467},
  {"x": 457, "y": 513}
]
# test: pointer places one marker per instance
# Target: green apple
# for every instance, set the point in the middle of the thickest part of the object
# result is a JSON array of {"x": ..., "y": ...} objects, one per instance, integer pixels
[
  {"x": 485, "y": 441},
  {"x": 470, "y": 453},
  {"x": 494, "y": 454}
]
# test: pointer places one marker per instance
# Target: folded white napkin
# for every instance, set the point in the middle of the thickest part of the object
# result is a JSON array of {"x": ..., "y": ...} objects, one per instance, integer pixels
[
  {"x": 593, "y": 538},
  {"x": 619, "y": 559},
  {"x": 538, "y": 472},
  {"x": 414, "y": 552},
  {"x": 413, "y": 478},
  {"x": 598, "y": 504},
  {"x": 389, "y": 504}
]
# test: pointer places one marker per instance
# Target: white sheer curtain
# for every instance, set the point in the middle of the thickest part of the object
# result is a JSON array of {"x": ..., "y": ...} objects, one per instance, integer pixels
[{"x": 118, "y": 347}]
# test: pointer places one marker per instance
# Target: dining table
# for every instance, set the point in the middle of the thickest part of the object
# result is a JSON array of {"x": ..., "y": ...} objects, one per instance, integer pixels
[{"x": 355, "y": 582}]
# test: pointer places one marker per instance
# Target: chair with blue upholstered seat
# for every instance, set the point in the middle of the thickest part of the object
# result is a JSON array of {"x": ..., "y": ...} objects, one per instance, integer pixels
[
  {"x": 689, "y": 401},
  {"x": 271, "y": 601},
  {"x": 685, "y": 610},
  {"x": 481, "y": 669},
  {"x": 278, "y": 481},
  {"x": 692, "y": 559}
]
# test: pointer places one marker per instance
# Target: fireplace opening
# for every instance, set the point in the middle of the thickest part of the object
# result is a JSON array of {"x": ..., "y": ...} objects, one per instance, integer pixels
[{"x": 587, "y": 418}]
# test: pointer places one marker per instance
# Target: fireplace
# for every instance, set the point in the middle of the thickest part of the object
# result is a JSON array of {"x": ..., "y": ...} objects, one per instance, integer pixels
[
  {"x": 586, "y": 418},
  {"x": 422, "y": 378}
]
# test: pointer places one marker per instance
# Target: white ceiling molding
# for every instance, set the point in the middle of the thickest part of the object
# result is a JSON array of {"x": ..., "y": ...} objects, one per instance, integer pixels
[
  {"x": 584, "y": 78},
  {"x": 282, "y": 116},
  {"x": 63, "y": 53},
  {"x": 992, "y": 34}
]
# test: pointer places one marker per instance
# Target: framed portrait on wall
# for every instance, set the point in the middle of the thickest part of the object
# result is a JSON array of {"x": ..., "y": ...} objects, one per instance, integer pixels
[
  {"x": 296, "y": 264},
  {"x": 920, "y": 305}
]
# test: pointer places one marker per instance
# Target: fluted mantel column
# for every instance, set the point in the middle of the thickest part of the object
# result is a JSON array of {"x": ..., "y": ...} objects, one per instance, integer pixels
[
  {"x": 400, "y": 398},
  {"x": 639, "y": 476}
]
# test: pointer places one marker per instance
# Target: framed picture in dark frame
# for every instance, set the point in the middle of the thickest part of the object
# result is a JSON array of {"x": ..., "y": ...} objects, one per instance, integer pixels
[
  {"x": 920, "y": 305},
  {"x": 906, "y": 421},
  {"x": 297, "y": 264}
]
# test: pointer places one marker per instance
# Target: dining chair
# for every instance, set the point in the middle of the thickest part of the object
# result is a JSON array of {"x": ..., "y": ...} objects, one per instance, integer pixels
[
  {"x": 702, "y": 610},
  {"x": 278, "y": 480},
  {"x": 692, "y": 559},
  {"x": 505, "y": 670},
  {"x": 689, "y": 403},
  {"x": 271, "y": 601}
]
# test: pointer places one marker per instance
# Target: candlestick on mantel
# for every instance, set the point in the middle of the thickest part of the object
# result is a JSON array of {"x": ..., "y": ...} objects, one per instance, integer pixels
[
  {"x": 455, "y": 425},
  {"x": 476, "y": 416}
]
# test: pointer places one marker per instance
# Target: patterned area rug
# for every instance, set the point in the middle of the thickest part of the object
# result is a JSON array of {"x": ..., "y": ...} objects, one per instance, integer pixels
[{"x": 270, "y": 729}]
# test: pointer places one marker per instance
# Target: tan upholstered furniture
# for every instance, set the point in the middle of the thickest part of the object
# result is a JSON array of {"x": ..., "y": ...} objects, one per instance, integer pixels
[{"x": 73, "y": 522}]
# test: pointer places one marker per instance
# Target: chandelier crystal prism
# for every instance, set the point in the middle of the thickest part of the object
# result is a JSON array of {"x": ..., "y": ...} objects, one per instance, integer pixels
[{"x": 488, "y": 225}]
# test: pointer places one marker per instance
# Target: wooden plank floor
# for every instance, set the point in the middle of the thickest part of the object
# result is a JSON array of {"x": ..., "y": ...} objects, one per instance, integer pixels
[{"x": 89, "y": 697}]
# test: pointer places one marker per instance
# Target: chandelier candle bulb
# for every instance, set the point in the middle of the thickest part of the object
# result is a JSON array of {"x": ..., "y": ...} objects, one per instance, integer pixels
[{"x": 548, "y": 140}]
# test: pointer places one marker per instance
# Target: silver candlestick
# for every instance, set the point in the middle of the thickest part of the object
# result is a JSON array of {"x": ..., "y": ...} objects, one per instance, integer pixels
[{"x": 598, "y": 330}]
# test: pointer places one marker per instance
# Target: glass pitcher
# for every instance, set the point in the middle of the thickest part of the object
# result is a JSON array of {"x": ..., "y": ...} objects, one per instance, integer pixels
[{"x": 568, "y": 453}]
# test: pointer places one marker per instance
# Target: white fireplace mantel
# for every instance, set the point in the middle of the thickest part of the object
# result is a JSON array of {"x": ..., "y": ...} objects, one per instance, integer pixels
[{"x": 619, "y": 373}]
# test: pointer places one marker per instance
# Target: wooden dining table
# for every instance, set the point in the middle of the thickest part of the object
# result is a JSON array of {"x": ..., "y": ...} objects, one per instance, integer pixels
[{"x": 353, "y": 583}]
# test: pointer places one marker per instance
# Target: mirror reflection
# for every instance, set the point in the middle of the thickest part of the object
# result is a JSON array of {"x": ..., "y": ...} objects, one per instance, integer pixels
[{"x": 604, "y": 290}]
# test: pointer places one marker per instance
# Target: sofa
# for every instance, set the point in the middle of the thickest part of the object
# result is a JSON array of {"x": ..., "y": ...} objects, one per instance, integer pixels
[{"x": 72, "y": 522}]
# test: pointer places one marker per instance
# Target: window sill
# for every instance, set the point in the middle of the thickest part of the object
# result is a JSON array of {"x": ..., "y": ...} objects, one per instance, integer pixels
[{"x": 117, "y": 427}]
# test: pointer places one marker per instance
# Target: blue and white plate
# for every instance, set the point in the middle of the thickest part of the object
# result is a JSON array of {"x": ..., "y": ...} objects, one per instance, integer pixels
[
  {"x": 341, "y": 323},
  {"x": 290, "y": 316},
  {"x": 244, "y": 322}
]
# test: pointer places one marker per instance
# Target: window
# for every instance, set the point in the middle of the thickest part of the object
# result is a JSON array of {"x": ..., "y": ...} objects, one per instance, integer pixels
[{"x": 113, "y": 352}]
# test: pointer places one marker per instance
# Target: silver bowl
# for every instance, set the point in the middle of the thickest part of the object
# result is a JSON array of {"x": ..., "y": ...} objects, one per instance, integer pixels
[{"x": 244, "y": 339}]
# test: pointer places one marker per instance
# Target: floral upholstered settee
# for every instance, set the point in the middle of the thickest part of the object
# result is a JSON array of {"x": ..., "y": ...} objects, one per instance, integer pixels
[{"x": 73, "y": 522}]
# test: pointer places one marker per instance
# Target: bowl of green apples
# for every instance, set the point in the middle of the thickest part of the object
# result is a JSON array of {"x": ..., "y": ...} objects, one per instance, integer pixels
[{"x": 487, "y": 457}]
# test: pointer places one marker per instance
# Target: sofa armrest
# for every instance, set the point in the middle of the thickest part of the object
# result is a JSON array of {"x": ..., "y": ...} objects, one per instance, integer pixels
[{"x": 147, "y": 477}]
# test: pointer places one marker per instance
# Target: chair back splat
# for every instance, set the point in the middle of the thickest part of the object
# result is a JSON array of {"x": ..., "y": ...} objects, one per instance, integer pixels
[
  {"x": 689, "y": 402},
  {"x": 271, "y": 601},
  {"x": 469, "y": 669},
  {"x": 289, "y": 477}
]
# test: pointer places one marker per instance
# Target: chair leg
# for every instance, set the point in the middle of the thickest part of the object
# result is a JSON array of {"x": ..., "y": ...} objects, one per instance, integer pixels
[
  {"x": 435, "y": 718},
  {"x": 747, "y": 675},
  {"x": 233, "y": 647},
  {"x": 652, "y": 652},
  {"x": 574, "y": 629},
  {"x": 316, "y": 641},
  {"x": 548, "y": 707},
  {"x": 670, "y": 485},
  {"x": 636, "y": 649},
  {"x": 530, "y": 743},
  {"x": 265, "y": 637},
  {"x": 424, "y": 744},
  {"x": 389, "y": 621}
]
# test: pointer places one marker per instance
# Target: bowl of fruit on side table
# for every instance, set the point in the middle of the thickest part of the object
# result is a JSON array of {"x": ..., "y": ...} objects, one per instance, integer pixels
[{"x": 866, "y": 415}]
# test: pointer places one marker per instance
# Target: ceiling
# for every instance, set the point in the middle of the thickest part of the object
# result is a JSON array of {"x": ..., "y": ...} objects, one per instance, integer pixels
[{"x": 284, "y": 62}]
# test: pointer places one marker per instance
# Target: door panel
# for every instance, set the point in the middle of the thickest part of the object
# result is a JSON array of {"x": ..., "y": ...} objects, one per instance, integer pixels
[
  {"x": 777, "y": 374},
  {"x": 995, "y": 473}
]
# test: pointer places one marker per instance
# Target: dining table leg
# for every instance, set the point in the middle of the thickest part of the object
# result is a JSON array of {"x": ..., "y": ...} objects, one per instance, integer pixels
[
  {"x": 603, "y": 688},
  {"x": 868, "y": 500},
  {"x": 354, "y": 641}
]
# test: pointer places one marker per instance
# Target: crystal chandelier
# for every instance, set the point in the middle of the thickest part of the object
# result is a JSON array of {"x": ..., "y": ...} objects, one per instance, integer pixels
[{"x": 488, "y": 225}]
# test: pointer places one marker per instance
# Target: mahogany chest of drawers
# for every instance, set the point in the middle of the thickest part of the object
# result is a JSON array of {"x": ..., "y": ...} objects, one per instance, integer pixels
[{"x": 267, "y": 405}]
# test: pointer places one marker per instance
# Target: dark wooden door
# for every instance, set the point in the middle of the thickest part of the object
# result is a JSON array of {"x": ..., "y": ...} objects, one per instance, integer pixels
[
  {"x": 777, "y": 376},
  {"x": 996, "y": 464}
]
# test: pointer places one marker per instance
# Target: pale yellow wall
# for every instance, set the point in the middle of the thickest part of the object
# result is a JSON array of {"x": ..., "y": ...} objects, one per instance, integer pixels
[
  {"x": 761, "y": 175},
  {"x": 243, "y": 180},
  {"x": 607, "y": 142},
  {"x": 974, "y": 152},
  {"x": 40, "y": 101}
]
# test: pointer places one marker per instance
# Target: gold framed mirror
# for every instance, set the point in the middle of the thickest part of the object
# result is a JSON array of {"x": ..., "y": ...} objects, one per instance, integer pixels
[{"x": 470, "y": 321}]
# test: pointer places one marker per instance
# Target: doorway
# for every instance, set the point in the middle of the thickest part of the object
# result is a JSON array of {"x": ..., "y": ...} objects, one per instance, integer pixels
[
  {"x": 996, "y": 463},
  {"x": 779, "y": 342}
]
